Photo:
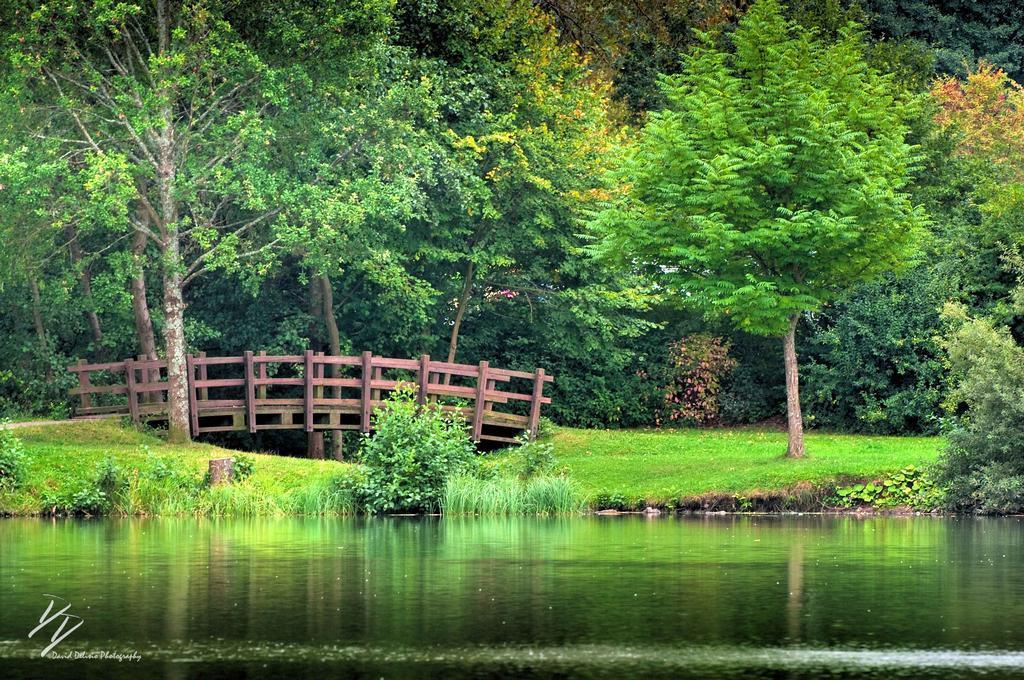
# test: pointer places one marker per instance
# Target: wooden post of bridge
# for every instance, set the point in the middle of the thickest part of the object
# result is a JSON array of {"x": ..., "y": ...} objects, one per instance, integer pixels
[
  {"x": 250, "y": 392},
  {"x": 318, "y": 372},
  {"x": 261, "y": 391},
  {"x": 365, "y": 405},
  {"x": 423, "y": 379},
  {"x": 129, "y": 381},
  {"x": 204, "y": 393},
  {"x": 538, "y": 393},
  {"x": 144, "y": 396},
  {"x": 307, "y": 398},
  {"x": 83, "y": 383},
  {"x": 193, "y": 407},
  {"x": 481, "y": 400}
]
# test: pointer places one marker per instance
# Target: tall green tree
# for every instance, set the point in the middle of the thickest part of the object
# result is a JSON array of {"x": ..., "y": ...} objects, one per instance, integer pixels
[
  {"x": 180, "y": 98},
  {"x": 774, "y": 181}
]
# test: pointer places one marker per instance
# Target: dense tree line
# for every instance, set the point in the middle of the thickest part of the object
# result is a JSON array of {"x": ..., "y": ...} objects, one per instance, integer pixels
[{"x": 423, "y": 176}]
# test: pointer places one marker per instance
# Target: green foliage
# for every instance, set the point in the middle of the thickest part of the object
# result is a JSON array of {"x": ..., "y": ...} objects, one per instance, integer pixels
[
  {"x": 697, "y": 365},
  {"x": 775, "y": 180},
  {"x": 411, "y": 454},
  {"x": 12, "y": 457},
  {"x": 83, "y": 499},
  {"x": 957, "y": 33},
  {"x": 529, "y": 459},
  {"x": 243, "y": 467},
  {"x": 754, "y": 391},
  {"x": 110, "y": 477},
  {"x": 910, "y": 487},
  {"x": 983, "y": 464},
  {"x": 873, "y": 361}
]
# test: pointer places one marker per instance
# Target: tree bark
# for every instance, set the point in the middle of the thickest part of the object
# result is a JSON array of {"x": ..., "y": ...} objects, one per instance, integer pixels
[
  {"x": 793, "y": 414},
  {"x": 334, "y": 349},
  {"x": 175, "y": 344},
  {"x": 222, "y": 470},
  {"x": 170, "y": 246},
  {"x": 37, "y": 321},
  {"x": 460, "y": 311},
  {"x": 315, "y": 445},
  {"x": 85, "y": 281}
]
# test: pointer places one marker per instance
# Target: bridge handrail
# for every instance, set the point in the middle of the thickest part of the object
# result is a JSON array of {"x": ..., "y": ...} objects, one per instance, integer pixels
[{"x": 144, "y": 383}]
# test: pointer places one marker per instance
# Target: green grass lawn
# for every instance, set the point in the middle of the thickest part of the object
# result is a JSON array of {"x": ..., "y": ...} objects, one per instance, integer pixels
[
  {"x": 662, "y": 466},
  {"x": 63, "y": 459}
]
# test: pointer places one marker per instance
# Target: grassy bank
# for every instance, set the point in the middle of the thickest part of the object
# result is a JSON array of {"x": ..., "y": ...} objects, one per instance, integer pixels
[
  {"x": 710, "y": 469},
  {"x": 687, "y": 467},
  {"x": 63, "y": 463}
]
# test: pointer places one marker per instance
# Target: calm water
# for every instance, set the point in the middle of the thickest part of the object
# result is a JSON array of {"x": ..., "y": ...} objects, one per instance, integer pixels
[{"x": 723, "y": 597}]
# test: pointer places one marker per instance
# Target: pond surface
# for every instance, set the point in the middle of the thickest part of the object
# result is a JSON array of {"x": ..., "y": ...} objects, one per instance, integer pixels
[{"x": 602, "y": 597}]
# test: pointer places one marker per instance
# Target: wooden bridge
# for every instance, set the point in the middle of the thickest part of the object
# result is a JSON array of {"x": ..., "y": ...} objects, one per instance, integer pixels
[{"x": 268, "y": 392}]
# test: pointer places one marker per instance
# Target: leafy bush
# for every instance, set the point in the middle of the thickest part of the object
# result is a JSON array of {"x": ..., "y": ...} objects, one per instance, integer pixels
[
  {"x": 754, "y": 391},
  {"x": 529, "y": 459},
  {"x": 243, "y": 467},
  {"x": 84, "y": 499},
  {"x": 109, "y": 477},
  {"x": 910, "y": 487},
  {"x": 697, "y": 365},
  {"x": 983, "y": 463},
  {"x": 12, "y": 458},
  {"x": 873, "y": 363},
  {"x": 411, "y": 454}
]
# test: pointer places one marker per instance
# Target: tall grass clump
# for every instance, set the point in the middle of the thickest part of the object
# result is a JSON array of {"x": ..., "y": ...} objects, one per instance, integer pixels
[
  {"x": 539, "y": 495},
  {"x": 333, "y": 496},
  {"x": 519, "y": 481}
]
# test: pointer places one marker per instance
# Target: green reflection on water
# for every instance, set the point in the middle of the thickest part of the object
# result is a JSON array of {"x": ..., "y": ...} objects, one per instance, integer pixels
[{"x": 480, "y": 596}]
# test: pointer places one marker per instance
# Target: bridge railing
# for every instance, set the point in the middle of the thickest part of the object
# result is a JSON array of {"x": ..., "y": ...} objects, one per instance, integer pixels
[{"x": 313, "y": 391}]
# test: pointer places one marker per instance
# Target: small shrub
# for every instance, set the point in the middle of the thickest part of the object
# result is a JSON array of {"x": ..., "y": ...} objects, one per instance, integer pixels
[
  {"x": 167, "y": 471},
  {"x": 529, "y": 459},
  {"x": 613, "y": 501},
  {"x": 12, "y": 458},
  {"x": 109, "y": 477},
  {"x": 910, "y": 487},
  {"x": 243, "y": 468},
  {"x": 983, "y": 463},
  {"x": 698, "y": 364},
  {"x": 85, "y": 499},
  {"x": 411, "y": 455}
]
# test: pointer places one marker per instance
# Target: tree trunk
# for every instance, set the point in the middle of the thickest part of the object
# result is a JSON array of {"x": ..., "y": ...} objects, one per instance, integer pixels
[
  {"x": 222, "y": 470},
  {"x": 170, "y": 246},
  {"x": 315, "y": 445},
  {"x": 794, "y": 417},
  {"x": 334, "y": 349},
  {"x": 37, "y": 321},
  {"x": 85, "y": 280},
  {"x": 174, "y": 341},
  {"x": 460, "y": 311}
]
